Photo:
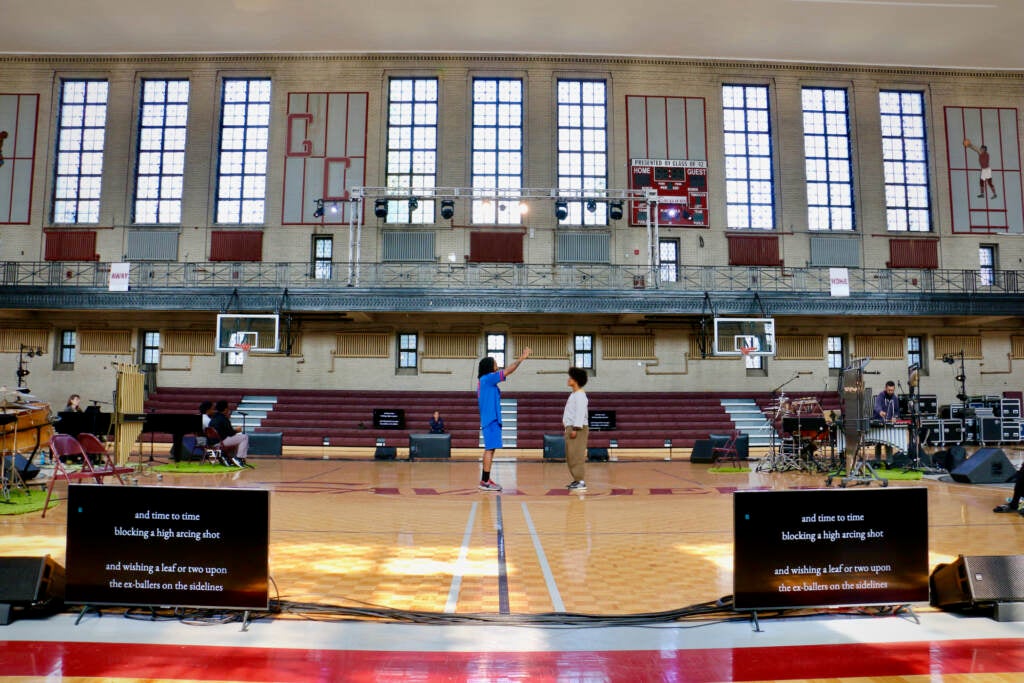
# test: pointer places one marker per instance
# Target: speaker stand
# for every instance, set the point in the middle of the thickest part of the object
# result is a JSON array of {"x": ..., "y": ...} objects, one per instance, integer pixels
[{"x": 88, "y": 608}]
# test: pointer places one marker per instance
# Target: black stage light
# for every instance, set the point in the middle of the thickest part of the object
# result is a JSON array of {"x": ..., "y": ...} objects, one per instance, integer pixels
[
  {"x": 591, "y": 205},
  {"x": 561, "y": 210},
  {"x": 447, "y": 209},
  {"x": 319, "y": 211},
  {"x": 414, "y": 204},
  {"x": 380, "y": 208},
  {"x": 615, "y": 211}
]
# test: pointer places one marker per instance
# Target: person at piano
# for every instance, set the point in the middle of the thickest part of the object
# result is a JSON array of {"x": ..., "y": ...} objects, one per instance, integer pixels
[
  {"x": 74, "y": 404},
  {"x": 886, "y": 409},
  {"x": 229, "y": 436},
  {"x": 207, "y": 412}
]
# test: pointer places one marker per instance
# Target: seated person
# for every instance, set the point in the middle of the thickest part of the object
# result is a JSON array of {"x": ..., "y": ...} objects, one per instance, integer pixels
[
  {"x": 229, "y": 436},
  {"x": 206, "y": 411},
  {"x": 1018, "y": 493},
  {"x": 74, "y": 403},
  {"x": 437, "y": 423}
]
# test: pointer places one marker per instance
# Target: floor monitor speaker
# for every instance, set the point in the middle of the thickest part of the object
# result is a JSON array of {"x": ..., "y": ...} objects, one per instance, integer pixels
[
  {"x": 385, "y": 453},
  {"x": 978, "y": 580},
  {"x": 554, "y": 447},
  {"x": 597, "y": 454},
  {"x": 25, "y": 467},
  {"x": 29, "y": 583},
  {"x": 986, "y": 466}
]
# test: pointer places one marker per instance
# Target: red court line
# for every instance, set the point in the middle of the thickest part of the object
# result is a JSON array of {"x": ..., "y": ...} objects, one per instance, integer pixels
[{"x": 131, "y": 660}]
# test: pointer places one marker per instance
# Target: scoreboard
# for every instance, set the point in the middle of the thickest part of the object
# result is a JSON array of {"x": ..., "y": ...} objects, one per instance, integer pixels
[{"x": 682, "y": 187}]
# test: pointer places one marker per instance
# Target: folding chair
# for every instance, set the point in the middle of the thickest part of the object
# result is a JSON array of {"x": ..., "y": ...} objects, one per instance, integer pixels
[
  {"x": 100, "y": 463},
  {"x": 191, "y": 449},
  {"x": 93, "y": 447},
  {"x": 224, "y": 455},
  {"x": 727, "y": 451},
  {"x": 65, "y": 447}
]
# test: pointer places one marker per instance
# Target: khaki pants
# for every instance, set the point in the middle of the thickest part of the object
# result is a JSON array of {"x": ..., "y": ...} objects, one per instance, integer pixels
[{"x": 576, "y": 451}]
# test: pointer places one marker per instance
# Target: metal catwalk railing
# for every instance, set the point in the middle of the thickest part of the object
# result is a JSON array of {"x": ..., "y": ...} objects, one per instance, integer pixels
[{"x": 460, "y": 276}]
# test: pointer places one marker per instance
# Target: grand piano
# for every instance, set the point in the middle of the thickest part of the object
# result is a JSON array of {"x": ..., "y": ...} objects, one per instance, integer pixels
[{"x": 98, "y": 423}]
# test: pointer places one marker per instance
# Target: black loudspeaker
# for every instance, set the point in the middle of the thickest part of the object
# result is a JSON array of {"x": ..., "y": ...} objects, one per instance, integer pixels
[
  {"x": 29, "y": 583},
  {"x": 986, "y": 466},
  {"x": 991, "y": 430},
  {"x": 596, "y": 454},
  {"x": 385, "y": 453},
  {"x": 978, "y": 580},
  {"x": 554, "y": 447},
  {"x": 25, "y": 468},
  {"x": 701, "y": 451},
  {"x": 430, "y": 446}
]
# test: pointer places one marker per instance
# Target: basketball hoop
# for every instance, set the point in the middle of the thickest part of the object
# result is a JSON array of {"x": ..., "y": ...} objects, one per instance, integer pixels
[
  {"x": 242, "y": 350},
  {"x": 745, "y": 351}
]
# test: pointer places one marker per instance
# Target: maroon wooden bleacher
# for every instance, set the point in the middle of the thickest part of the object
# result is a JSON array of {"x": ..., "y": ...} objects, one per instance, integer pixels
[{"x": 643, "y": 420}]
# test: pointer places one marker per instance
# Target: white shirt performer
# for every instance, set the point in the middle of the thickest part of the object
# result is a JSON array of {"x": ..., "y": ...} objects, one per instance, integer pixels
[{"x": 576, "y": 428}]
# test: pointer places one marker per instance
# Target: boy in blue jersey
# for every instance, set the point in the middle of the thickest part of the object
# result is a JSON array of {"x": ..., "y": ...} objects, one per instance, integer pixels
[{"x": 489, "y": 400}]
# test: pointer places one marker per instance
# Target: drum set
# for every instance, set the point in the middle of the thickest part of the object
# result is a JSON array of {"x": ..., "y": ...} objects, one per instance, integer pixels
[{"x": 803, "y": 438}]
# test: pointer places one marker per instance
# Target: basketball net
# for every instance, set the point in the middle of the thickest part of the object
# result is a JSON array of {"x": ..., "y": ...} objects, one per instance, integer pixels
[
  {"x": 745, "y": 351},
  {"x": 243, "y": 350}
]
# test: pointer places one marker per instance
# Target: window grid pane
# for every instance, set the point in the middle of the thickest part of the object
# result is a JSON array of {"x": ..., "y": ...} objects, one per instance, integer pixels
[
  {"x": 986, "y": 265},
  {"x": 81, "y": 129},
  {"x": 905, "y": 161},
  {"x": 160, "y": 161},
  {"x": 582, "y": 146},
  {"x": 68, "y": 342},
  {"x": 407, "y": 350},
  {"x": 915, "y": 352},
  {"x": 497, "y": 148},
  {"x": 323, "y": 256},
  {"x": 749, "y": 176},
  {"x": 827, "y": 155},
  {"x": 583, "y": 355},
  {"x": 835, "y": 353},
  {"x": 496, "y": 348},
  {"x": 412, "y": 146},
  {"x": 151, "y": 348},
  {"x": 244, "y": 139}
]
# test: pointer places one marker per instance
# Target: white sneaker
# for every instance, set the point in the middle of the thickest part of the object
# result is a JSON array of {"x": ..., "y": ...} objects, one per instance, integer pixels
[
  {"x": 577, "y": 486},
  {"x": 490, "y": 485}
]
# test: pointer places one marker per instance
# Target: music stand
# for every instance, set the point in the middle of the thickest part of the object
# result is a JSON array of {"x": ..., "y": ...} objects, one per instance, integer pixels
[
  {"x": 15, "y": 476},
  {"x": 915, "y": 463}
]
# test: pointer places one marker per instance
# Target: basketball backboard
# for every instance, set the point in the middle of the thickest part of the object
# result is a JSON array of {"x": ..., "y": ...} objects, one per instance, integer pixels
[
  {"x": 734, "y": 336},
  {"x": 260, "y": 331}
]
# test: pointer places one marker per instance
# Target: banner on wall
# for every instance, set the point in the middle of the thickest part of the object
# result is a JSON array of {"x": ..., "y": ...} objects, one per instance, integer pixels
[
  {"x": 839, "y": 281},
  {"x": 119, "y": 275}
]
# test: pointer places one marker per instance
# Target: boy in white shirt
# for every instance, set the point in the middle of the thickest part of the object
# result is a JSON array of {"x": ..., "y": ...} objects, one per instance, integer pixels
[{"x": 574, "y": 420}]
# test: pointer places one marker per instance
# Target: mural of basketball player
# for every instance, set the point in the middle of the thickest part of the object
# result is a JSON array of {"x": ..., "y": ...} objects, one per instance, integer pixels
[{"x": 986, "y": 169}]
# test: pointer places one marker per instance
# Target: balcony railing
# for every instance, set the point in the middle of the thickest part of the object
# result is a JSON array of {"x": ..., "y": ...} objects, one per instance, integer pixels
[{"x": 494, "y": 276}]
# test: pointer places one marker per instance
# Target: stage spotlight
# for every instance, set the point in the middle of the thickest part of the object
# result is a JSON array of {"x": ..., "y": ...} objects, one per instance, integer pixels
[
  {"x": 447, "y": 209},
  {"x": 561, "y": 210},
  {"x": 591, "y": 205},
  {"x": 615, "y": 211},
  {"x": 334, "y": 207},
  {"x": 948, "y": 359},
  {"x": 380, "y": 208},
  {"x": 319, "y": 211},
  {"x": 414, "y": 204}
]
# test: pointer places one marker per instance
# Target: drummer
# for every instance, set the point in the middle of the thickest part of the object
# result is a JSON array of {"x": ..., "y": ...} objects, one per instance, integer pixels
[{"x": 887, "y": 409}]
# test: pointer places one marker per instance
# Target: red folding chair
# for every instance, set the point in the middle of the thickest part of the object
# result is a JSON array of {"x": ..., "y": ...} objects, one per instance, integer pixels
[
  {"x": 727, "y": 451},
  {"x": 224, "y": 454},
  {"x": 99, "y": 460},
  {"x": 93, "y": 447},
  {"x": 66, "y": 446}
]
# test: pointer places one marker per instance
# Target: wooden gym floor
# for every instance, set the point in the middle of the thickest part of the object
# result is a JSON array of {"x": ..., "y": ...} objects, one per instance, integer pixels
[{"x": 651, "y": 534}]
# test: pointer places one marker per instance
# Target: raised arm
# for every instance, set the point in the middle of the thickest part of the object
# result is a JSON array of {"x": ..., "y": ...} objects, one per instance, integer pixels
[{"x": 515, "y": 364}]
